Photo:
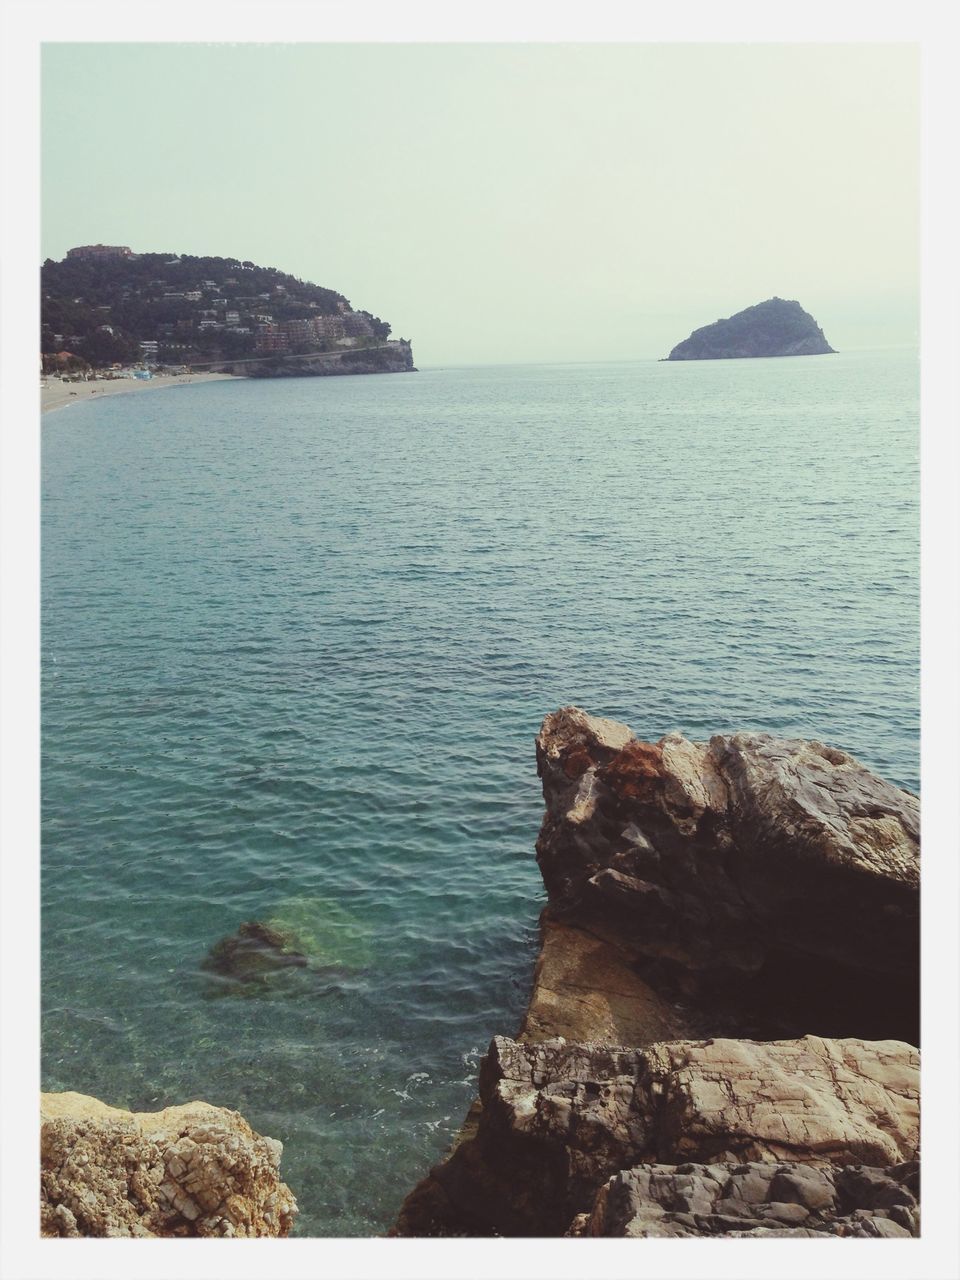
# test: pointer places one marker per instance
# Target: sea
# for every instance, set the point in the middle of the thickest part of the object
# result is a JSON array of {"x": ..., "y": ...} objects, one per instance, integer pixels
[{"x": 298, "y": 636}]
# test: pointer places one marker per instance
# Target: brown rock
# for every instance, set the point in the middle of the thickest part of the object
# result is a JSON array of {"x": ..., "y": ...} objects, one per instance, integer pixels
[
  {"x": 755, "y": 1200},
  {"x": 558, "y": 1120},
  {"x": 749, "y": 889},
  {"x": 193, "y": 1170},
  {"x": 772, "y": 883},
  {"x": 585, "y": 990}
]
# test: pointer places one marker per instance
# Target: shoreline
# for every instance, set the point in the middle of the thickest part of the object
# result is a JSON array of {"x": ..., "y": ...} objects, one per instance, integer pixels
[{"x": 59, "y": 395}]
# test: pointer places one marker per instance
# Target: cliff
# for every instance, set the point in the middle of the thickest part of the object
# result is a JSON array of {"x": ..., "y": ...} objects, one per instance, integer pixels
[
  {"x": 193, "y": 1170},
  {"x": 388, "y": 357},
  {"x": 771, "y": 328},
  {"x": 720, "y": 1034}
]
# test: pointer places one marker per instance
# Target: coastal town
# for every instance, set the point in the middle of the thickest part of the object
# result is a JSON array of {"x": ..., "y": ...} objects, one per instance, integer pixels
[{"x": 108, "y": 312}]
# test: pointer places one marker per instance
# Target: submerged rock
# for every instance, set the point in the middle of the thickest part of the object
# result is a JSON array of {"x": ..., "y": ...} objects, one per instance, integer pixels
[
  {"x": 772, "y": 328},
  {"x": 300, "y": 933},
  {"x": 253, "y": 952},
  {"x": 719, "y": 1037},
  {"x": 193, "y": 1170}
]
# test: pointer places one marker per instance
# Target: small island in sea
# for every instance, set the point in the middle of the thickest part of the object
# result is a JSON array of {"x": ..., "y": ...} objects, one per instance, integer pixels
[
  {"x": 104, "y": 306},
  {"x": 772, "y": 328}
]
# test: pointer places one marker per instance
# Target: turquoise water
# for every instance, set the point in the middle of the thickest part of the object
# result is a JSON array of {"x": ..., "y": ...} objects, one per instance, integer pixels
[{"x": 298, "y": 637}]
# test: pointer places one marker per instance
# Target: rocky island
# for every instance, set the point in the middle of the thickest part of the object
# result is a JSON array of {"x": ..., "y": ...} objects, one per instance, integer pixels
[
  {"x": 721, "y": 1034},
  {"x": 772, "y": 328}
]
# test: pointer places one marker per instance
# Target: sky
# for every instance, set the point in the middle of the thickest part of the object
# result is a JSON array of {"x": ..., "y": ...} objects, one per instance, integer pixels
[{"x": 509, "y": 202}]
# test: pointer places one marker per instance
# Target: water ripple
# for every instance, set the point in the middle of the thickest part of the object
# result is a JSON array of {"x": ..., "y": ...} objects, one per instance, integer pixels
[{"x": 298, "y": 637}]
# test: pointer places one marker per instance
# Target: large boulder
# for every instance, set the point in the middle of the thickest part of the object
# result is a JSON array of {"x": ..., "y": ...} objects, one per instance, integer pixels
[
  {"x": 770, "y": 884},
  {"x": 193, "y": 1170},
  {"x": 756, "y": 1199},
  {"x": 720, "y": 1034},
  {"x": 558, "y": 1120}
]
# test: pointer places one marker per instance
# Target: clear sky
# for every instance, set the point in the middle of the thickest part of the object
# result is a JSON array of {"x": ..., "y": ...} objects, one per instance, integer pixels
[{"x": 509, "y": 202}]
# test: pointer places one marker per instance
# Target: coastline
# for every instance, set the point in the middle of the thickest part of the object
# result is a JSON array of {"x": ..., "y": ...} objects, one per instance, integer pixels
[{"x": 58, "y": 395}]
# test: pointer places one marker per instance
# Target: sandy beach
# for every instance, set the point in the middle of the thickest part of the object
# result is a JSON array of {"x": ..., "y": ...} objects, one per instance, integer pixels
[{"x": 55, "y": 394}]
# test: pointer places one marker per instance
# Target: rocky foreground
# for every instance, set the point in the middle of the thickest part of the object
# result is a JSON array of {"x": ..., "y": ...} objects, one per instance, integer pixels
[
  {"x": 194, "y": 1170},
  {"x": 720, "y": 1038}
]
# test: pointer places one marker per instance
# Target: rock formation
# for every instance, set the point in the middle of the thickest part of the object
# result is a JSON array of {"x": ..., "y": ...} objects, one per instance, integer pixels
[
  {"x": 194, "y": 1170},
  {"x": 755, "y": 1199},
  {"x": 767, "y": 887},
  {"x": 719, "y": 1038},
  {"x": 389, "y": 357},
  {"x": 311, "y": 933},
  {"x": 772, "y": 328}
]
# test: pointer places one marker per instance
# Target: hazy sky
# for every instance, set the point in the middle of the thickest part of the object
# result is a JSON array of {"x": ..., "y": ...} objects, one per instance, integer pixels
[{"x": 509, "y": 202}]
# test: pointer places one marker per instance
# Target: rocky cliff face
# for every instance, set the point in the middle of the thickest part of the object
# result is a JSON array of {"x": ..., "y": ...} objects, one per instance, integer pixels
[
  {"x": 195, "y": 1170},
  {"x": 768, "y": 887},
  {"x": 719, "y": 1038},
  {"x": 390, "y": 357},
  {"x": 772, "y": 328}
]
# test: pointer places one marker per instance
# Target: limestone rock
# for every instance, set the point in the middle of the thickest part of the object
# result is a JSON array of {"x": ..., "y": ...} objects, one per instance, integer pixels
[
  {"x": 719, "y": 1037},
  {"x": 558, "y": 1120},
  {"x": 193, "y": 1170},
  {"x": 756, "y": 1200},
  {"x": 584, "y": 989},
  {"x": 772, "y": 328},
  {"x": 770, "y": 882}
]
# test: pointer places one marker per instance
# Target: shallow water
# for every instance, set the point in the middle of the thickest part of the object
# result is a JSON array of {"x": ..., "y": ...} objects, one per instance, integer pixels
[{"x": 298, "y": 637}]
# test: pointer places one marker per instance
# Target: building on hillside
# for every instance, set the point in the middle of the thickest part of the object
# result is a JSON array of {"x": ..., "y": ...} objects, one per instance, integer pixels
[
  {"x": 100, "y": 251},
  {"x": 328, "y": 326},
  {"x": 272, "y": 340},
  {"x": 149, "y": 351},
  {"x": 356, "y": 325},
  {"x": 231, "y": 317},
  {"x": 299, "y": 330}
]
